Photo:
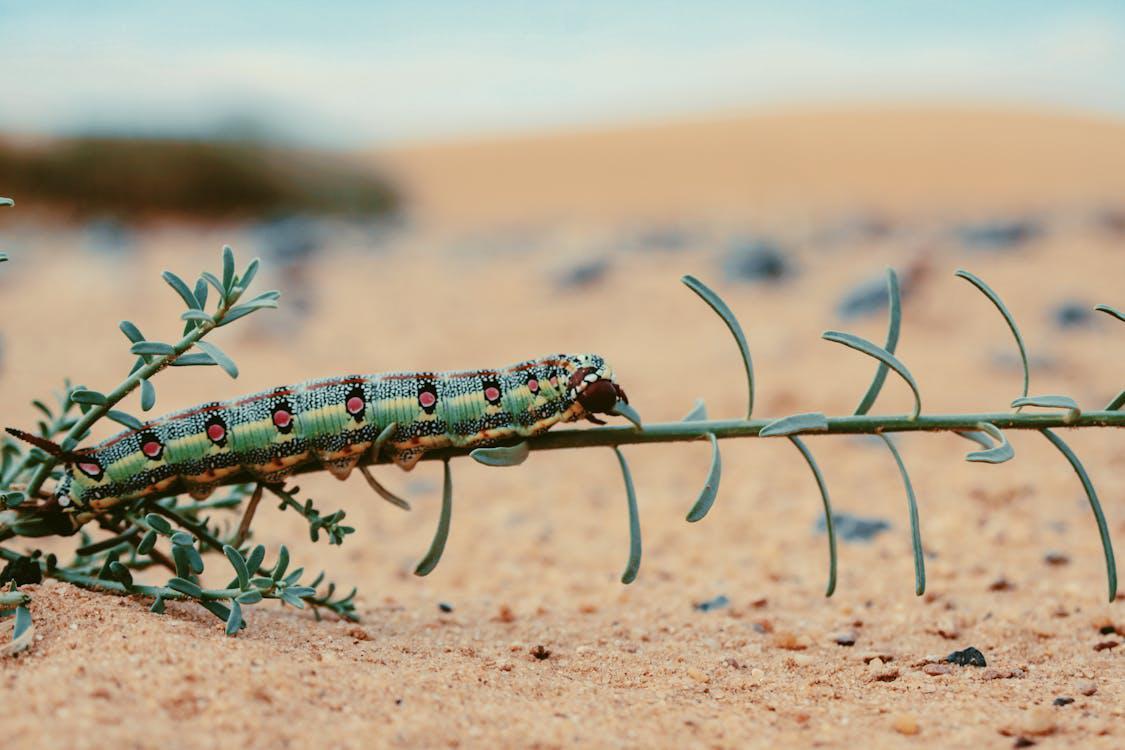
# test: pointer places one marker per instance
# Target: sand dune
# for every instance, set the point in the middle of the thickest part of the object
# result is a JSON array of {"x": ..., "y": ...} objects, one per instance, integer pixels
[{"x": 918, "y": 161}]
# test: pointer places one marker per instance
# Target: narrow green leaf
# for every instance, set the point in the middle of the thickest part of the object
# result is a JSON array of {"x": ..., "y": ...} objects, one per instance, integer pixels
[
  {"x": 622, "y": 409},
  {"x": 148, "y": 395},
  {"x": 6, "y": 203},
  {"x": 220, "y": 357},
  {"x": 978, "y": 437},
  {"x": 201, "y": 293},
  {"x": 22, "y": 624},
  {"x": 181, "y": 289},
  {"x": 194, "y": 359},
  {"x": 121, "y": 574},
  {"x": 994, "y": 298},
  {"x": 380, "y": 490},
  {"x": 220, "y": 611},
  {"x": 131, "y": 331},
  {"x": 794, "y": 424},
  {"x": 698, "y": 412},
  {"x": 238, "y": 562},
  {"x": 912, "y": 506},
  {"x": 634, "y": 563},
  {"x": 437, "y": 546},
  {"x": 711, "y": 487},
  {"x": 181, "y": 559},
  {"x": 234, "y": 620},
  {"x": 894, "y": 300},
  {"x": 249, "y": 274},
  {"x": 152, "y": 347},
  {"x": 185, "y": 586},
  {"x": 382, "y": 438},
  {"x": 716, "y": 303},
  {"x": 829, "y": 522},
  {"x": 241, "y": 311},
  {"x": 1113, "y": 311},
  {"x": 1117, "y": 402},
  {"x": 123, "y": 418},
  {"x": 213, "y": 280},
  {"x": 85, "y": 396},
  {"x": 504, "y": 455},
  {"x": 254, "y": 561},
  {"x": 158, "y": 523},
  {"x": 196, "y": 315},
  {"x": 1052, "y": 402},
  {"x": 148, "y": 541},
  {"x": 1095, "y": 506},
  {"x": 43, "y": 408},
  {"x": 253, "y": 596},
  {"x": 278, "y": 571},
  {"x": 183, "y": 538},
  {"x": 157, "y": 606},
  {"x": 992, "y": 455},
  {"x": 228, "y": 269},
  {"x": 871, "y": 350}
]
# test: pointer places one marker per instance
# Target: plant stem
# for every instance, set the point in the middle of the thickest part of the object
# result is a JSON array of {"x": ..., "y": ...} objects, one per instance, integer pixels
[{"x": 121, "y": 391}]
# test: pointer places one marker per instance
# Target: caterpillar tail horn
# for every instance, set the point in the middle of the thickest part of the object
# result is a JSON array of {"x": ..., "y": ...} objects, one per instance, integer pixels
[{"x": 54, "y": 449}]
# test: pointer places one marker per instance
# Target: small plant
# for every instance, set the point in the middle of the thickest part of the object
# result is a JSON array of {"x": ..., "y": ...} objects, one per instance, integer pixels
[{"x": 163, "y": 530}]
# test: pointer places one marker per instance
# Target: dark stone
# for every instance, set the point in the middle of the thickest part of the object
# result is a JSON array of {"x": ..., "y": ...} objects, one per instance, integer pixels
[
  {"x": 445, "y": 607},
  {"x": 1024, "y": 742},
  {"x": 541, "y": 653},
  {"x": 854, "y": 528},
  {"x": 999, "y": 234},
  {"x": 1104, "y": 629},
  {"x": 1072, "y": 314},
  {"x": 969, "y": 657},
  {"x": 718, "y": 602},
  {"x": 583, "y": 274},
  {"x": 1056, "y": 558},
  {"x": 757, "y": 260},
  {"x": 1063, "y": 701}
]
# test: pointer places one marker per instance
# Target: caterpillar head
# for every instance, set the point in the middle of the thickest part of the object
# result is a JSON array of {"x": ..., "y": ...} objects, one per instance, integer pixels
[{"x": 592, "y": 386}]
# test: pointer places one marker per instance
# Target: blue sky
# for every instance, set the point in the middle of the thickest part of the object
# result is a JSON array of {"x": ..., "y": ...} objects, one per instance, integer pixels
[{"x": 355, "y": 73}]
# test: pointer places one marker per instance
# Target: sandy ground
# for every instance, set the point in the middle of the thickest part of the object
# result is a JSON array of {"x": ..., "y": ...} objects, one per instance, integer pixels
[{"x": 535, "y": 553}]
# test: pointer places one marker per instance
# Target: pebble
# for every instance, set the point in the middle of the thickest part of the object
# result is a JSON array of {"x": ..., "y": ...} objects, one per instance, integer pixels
[
  {"x": 994, "y": 673},
  {"x": 757, "y": 260},
  {"x": 445, "y": 607},
  {"x": 967, "y": 657},
  {"x": 1086, "y": 688},
  {"x": 698, "y": 676},
  {"x": 1106, "y": 645},
  {"x": 937, "y": 669},
  {"x": 846, "y": 637},
  {"x": 1038, "y": 722},
  {"x": 905, "y": 724},
  {"x": 1056, "y": 558},
  {"x": 718, "y": 602},
  {"x": 1062, "y": 700},
  {"x": 583, "y": 274},
  {"x": 790, "y": 641},
  {"x": 852, "y": 528},
  {"x": 999, "y": 234},
  {"x": 1072, "y": 314}
]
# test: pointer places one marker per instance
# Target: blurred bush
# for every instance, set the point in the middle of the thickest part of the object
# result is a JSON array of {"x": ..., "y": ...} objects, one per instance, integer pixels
[{"x": 132, "y": 178}]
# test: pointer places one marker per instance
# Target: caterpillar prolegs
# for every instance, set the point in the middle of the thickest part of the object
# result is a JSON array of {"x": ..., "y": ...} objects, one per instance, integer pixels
[{"x": 335, "y": 422}]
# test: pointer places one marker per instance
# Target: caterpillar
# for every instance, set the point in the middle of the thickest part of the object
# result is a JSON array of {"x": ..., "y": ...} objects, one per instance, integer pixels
[{"x": 334, "y": 422}]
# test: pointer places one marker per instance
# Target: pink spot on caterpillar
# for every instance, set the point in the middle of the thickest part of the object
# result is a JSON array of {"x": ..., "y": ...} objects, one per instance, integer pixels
[
  {"x": 91, "y": 470},
  {"x": 533, "y": 385},
  {"x": 491, "y": 393},
  {"x": 427, "y": 399},
  {"x": 354, "y": 405},
  {"x": 554, "y": 381},
  {"x": 216, "y": 432},
  {"x": 151, "y": 449},
  {"x": 282, "y": 419}
]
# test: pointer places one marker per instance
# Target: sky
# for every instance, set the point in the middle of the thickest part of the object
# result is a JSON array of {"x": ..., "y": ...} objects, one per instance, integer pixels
[{"x": 350, "y": 74}]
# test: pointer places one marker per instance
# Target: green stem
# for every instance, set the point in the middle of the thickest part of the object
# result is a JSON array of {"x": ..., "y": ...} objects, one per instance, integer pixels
[{"x": 115, "y": 396}]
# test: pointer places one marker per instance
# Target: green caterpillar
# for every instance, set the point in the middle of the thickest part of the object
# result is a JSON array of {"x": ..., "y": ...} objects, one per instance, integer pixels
[{"x": 335, "y": 422}]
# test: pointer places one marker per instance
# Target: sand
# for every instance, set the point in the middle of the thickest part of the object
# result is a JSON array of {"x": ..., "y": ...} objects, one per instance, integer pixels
[{"x": 544, "y": 647}]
